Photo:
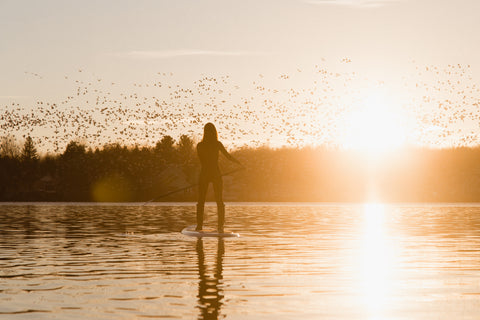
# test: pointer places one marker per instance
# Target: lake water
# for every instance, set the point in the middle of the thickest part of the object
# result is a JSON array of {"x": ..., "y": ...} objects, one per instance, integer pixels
[{"x": 292, "y": 261}]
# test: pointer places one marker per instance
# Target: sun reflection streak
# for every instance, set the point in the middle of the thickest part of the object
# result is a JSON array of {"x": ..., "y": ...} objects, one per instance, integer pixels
[{"x": 376, "y": 261}]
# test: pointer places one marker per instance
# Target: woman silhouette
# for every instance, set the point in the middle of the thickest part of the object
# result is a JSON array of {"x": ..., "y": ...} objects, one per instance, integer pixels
[{"x": 207, "y": 151}]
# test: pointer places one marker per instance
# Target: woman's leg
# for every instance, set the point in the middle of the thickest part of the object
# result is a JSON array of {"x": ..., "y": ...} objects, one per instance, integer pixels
[
  {"x": 202, "y": 193},
  {"x": 218, "y": 189}
]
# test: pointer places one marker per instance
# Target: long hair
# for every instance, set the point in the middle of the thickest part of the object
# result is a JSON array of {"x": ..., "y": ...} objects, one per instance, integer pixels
[{"x": 210, "y": 133}]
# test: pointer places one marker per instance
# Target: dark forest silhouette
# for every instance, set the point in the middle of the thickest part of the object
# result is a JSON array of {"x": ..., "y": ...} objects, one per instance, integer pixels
[{"x": 121, "y": 173}]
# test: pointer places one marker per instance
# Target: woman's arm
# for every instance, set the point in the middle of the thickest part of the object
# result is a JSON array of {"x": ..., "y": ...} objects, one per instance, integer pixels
[{"x": 226, "y": 154}]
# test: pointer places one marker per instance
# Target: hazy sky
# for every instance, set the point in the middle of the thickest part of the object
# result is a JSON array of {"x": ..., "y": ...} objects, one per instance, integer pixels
[
  {"x": 112, "y": 37},
  {"x": 44, "y": 41}
]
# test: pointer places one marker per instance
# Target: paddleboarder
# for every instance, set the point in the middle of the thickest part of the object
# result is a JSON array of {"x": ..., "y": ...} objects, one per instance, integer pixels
[{"x": 207, "y": 151}]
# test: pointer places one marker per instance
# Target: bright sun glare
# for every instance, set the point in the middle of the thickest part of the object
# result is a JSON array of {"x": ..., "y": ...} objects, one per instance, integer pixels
[
  {"x": 374, "y": 127},
  {"x": 377, "y": 260}
]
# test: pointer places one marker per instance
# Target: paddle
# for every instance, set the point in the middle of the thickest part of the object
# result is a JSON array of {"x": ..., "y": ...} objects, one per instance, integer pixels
[{"x": 190, "y": 186}]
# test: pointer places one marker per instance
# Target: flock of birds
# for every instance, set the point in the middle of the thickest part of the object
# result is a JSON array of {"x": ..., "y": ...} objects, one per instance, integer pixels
[
  {"x": 304, "y": 107},
  {"x": 449, "y": 99}
]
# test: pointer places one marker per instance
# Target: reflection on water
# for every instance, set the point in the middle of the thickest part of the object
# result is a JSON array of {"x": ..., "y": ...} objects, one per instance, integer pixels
[
  {"x": 376, "y": 260},
  {"x": 210, "y": 293},
  {"x": 369, "y": 261}
]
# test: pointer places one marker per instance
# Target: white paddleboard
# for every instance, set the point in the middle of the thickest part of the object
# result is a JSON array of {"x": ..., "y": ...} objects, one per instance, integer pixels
[{"x": 190, "y": 231}]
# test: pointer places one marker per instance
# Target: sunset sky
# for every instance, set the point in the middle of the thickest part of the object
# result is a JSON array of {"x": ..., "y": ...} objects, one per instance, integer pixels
[{"x": 327, "y": 66}]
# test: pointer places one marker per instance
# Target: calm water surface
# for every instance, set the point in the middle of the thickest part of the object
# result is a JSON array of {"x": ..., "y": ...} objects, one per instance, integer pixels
[{"x": 77, "y": 261}]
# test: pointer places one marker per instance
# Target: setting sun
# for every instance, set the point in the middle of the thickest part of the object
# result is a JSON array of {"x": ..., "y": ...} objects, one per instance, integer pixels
[{"x": 374, "y": 127}]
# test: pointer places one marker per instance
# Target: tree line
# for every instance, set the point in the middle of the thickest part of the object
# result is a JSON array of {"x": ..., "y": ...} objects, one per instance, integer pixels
[{"x": 119, "y": 173}]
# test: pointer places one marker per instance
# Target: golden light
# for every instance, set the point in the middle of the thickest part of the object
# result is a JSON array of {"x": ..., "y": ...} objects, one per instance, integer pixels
[
  {"x": 376, "y": 261},
  {"x": 375, "y": 126},
  {"x": 114, "y": 188}
]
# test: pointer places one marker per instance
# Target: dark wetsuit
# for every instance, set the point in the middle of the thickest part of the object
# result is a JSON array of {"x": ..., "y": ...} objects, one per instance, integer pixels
[{"x": 210, "y": 172}]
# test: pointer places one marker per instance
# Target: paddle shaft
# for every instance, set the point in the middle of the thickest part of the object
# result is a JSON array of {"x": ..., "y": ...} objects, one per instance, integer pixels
[{"x": 189, "y": 187}]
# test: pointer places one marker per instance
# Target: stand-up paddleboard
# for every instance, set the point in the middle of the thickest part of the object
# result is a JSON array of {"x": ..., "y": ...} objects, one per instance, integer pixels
[{"x": 190, "y": 231}]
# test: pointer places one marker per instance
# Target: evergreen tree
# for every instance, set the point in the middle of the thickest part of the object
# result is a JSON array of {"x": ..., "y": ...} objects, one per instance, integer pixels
[
  {"x": 186, "y": 149},
  {"x": 74, "y": 173},
  {"x": 165, "y": 149},
  {"x": 29, "y": 152}
]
